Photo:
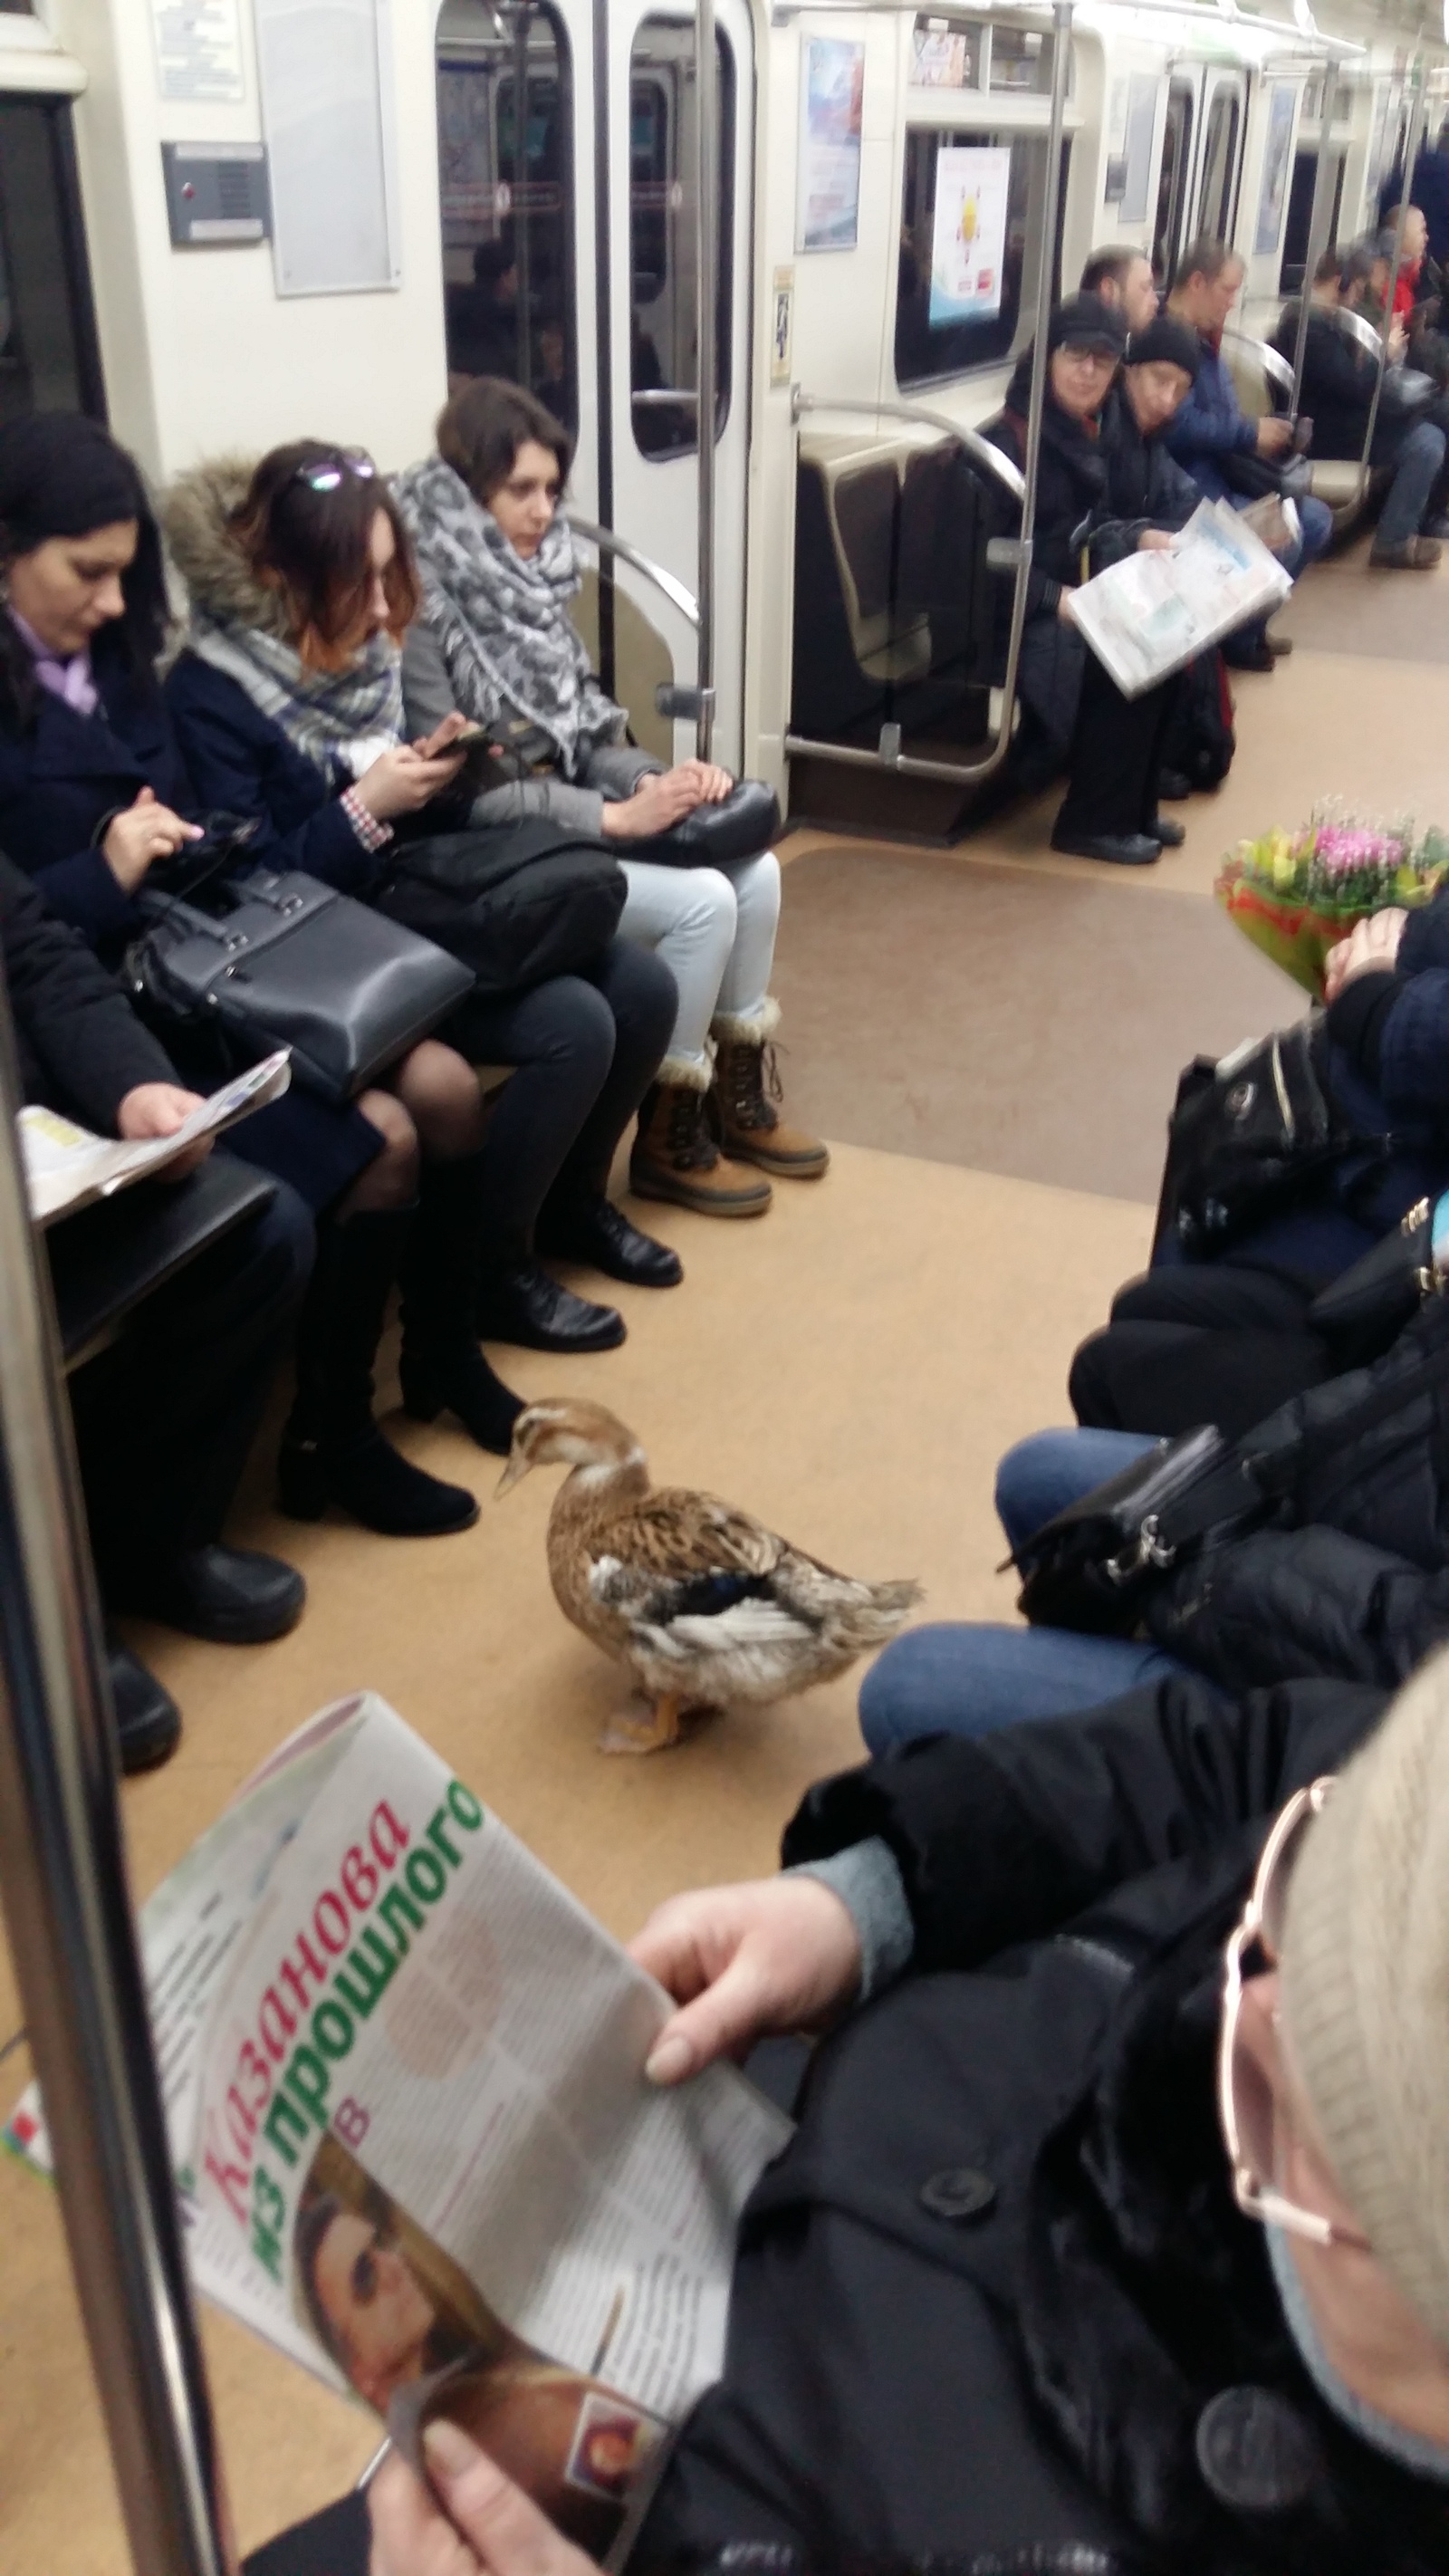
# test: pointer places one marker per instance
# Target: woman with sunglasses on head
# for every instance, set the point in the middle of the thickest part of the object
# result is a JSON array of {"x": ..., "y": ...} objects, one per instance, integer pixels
[
  {"x": 495, "y": 638},
  {"x": 1115, "y": 2233}
]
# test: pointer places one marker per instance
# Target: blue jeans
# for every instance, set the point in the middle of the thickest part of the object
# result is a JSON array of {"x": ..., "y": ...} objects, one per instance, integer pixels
[
  {"x": 965, "y": 1678},
  {"x": 1416, "y": 461},
  {"x": 1316, "y": 520}
]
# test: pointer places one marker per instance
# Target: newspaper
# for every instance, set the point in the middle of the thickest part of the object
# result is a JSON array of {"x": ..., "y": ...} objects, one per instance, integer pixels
[
  {"x": 414, "y": 2144},
  {"x": 1150, "y": 614},
  {"x": 66, "y": 1167}
]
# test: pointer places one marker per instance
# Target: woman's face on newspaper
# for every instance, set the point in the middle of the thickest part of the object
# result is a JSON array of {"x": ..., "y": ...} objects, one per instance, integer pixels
[{"x": 379, "y": 2316}]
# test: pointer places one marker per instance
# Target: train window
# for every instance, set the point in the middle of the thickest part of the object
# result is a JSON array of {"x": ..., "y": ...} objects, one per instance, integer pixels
[
  {"x": 506, "y": 198},
  {"x": 48, "y": 355},
  {"x": 939, "y": 332},
  {"x": 1218, "y": 192},
  {"x": 1300, "y": 213},
  {"x": 1172, "y": 178},
  {"x": 663, "y": 160}
]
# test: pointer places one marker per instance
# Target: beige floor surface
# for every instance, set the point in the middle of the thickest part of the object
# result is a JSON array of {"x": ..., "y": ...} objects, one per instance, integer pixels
[{"x": 851, "y": 1367}]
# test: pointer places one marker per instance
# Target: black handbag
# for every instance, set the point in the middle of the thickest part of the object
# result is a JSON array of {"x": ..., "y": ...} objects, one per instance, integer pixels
[
  {"x": 1254, "y": 477},
  {"x": 291, "y": 963},
  {"x": 745, "y": 823},
  {"x": 1247, "y": 1133},
  {"x": 1090, "y": 1566},
  {"x": 516, "y": 903},
  {"x": 1372, "y": 1301}
]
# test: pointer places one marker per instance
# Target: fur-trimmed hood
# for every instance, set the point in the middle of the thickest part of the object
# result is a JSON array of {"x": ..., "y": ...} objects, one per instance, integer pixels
[{"x": 194, "y": 512}]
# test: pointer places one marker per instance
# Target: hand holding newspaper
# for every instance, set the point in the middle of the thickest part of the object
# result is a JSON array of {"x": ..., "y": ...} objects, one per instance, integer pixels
[
  {"x": 416, "y": 2150},
  {"x": 66, "y": 1167},
  {"x": 1152, "y": 613}
]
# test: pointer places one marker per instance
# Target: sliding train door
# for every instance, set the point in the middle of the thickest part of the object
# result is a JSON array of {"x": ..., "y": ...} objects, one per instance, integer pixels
[{"x": 568, "y": 158}]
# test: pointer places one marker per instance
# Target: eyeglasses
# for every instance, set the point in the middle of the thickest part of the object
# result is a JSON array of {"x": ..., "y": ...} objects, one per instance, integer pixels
[
  {"x": 326, "y": 472},
  {"x": 1245, "y": 2098}
]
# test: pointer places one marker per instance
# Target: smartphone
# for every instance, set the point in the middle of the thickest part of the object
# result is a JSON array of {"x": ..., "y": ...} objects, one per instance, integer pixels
[{"x": 467, "y": 740}]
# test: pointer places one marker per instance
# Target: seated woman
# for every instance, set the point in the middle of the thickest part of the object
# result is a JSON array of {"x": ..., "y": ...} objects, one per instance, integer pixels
[
  {"x": 1227, "y": 1340},
  {"x": 93, "y": 794},
  {"x": 164, "y": 1418},
  {"x": 288, "y": 706},
  {"x": 494, "y": 637},
  {"x": 1096, "y": 499}
]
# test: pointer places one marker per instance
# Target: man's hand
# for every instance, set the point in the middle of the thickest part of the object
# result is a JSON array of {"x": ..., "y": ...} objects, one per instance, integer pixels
[
  {"x": 158, "y": 1109},
  {"x": 402, "y": 781},
  {"x": 1155, "y": 541},
  {"x": 771, "y": 1954},
  {"x": 145, "y": 832},
  {"x": 1274, "y": 436},
  {"x": 1064, "y": 609},
  {"x": 1371, "y": 948},
  {"x": 1398, "y": 343},
  {"x": 490, "y": 2527}
]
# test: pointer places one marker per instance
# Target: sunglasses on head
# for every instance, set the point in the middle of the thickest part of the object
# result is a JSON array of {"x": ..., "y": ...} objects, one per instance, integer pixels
[
  {"x": 1245, "y": 2097},
  {"x": 325, "y": 473}
]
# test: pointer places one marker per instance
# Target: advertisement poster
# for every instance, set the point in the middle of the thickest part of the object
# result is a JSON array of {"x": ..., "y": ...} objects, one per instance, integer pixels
[
  {"x": 969, "y": 241},
  {"x": 1275, "y": 167},
  {"x": 832, "y": 89}
]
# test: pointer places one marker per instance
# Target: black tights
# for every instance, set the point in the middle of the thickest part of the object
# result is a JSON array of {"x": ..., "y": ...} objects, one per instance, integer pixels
[
  {"x": 586, "y": 1048},
  {"x": 1198, "y": 1343}
]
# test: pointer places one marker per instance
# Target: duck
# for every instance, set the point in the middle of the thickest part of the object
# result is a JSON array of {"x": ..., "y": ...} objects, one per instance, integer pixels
[{"x": 706, "y": 1606}]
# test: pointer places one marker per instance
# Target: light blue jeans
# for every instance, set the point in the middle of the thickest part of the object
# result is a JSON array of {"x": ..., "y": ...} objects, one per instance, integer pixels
[{"x": 966, "y": 1678}]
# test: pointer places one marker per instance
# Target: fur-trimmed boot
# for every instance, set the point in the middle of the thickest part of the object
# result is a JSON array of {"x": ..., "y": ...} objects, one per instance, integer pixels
[
  {"x": 747, "y": 1095},
  {"x": 677, "y": 1156}
]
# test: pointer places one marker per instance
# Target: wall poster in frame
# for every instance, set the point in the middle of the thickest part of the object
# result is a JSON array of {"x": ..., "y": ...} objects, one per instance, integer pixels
[{"x": 832, "y": 90}]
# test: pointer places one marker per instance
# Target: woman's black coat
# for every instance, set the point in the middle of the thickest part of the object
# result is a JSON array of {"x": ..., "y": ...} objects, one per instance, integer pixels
[
  {"x": 79, "y": 1044},
  {"x": 995, "y": 2300},
  {"x": 1071, "y": 488}
]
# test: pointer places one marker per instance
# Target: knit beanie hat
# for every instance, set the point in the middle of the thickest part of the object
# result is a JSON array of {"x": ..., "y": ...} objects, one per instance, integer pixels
[
  {"x": 1085, "y": 322},
  {"x": 1168, "y": 342},
  {"x": 60, "y": 476},
  {"x": 1364, "y": 1989}
]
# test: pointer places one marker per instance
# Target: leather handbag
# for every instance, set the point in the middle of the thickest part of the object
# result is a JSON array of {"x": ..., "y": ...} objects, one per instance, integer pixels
[
  {"x": 516, "y": 903},
  {"x": 1372, "y": 1301},
  {"x": 1090, "y": 1566},
  {"x": 1247, "y": 1133},
  {"x": 292, "y": 963},
  {"x": 1254, "y": 477},
  {"x": 745, "y": 823}
]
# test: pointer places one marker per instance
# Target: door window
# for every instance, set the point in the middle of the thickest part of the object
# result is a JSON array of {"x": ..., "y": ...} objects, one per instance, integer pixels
[
  {"x": 663, "y": 171},
  {"x": 48, "y": 356},
  {"x": 1172, "y": 179},
  {"x": 934, "y": 336},
  {"x": 1217, "y": 195},
  {"x": 505, "y": 154},
  {"x": 1300, "y": 213}
]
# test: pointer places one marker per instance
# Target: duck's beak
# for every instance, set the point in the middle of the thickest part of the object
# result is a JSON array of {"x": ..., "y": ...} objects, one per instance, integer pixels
[{"x": 513, "y": 1474}]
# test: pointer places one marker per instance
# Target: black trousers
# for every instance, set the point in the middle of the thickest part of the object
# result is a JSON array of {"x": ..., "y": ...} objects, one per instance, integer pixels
[
  {"x": 164, "y": 1419},
  {"x": 586, "y": 1048},
  {"x": 1116, "y": 754},
  {"x": 1198, "y": 1343}
]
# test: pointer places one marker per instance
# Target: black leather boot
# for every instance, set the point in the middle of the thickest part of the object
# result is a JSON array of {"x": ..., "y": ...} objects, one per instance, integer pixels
[
  {"x": 332, "y": 1449},
  {"x": 442, "y": 1367},
  {"x": 518, "y": 1302}
]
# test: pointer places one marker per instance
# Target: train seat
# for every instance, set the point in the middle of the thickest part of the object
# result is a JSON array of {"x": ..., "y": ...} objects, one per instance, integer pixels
[{"x": 1260, "y": 373}]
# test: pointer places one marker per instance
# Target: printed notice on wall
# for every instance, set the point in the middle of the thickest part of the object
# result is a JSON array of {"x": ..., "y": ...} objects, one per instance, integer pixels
[
  {"x": 832, "y": 93},
  {"x": 198, "y": 49},
  {"x": 969, "y": 240}
]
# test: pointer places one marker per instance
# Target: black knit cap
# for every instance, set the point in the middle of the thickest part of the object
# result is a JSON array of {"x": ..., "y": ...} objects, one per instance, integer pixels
[
  {"x": 1085, "y": 322},
  {"x": 1169, "y": 343},
  {"x": 60, "y": 476}
]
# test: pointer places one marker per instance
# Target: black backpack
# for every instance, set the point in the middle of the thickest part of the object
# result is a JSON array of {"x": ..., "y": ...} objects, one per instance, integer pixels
[{"x": 515, "y": 902}]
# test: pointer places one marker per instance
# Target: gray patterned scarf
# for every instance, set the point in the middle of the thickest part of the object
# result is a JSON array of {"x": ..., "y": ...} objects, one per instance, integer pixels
[
  {"x": 342, "y": 721},
  {"x": 502, "y": 623}
]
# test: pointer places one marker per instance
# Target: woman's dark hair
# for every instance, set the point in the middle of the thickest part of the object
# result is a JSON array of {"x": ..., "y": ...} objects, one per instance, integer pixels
[
  {"x": 305, "y": 527},
  {"x": 62, "y": 475},
  {"x": 481, "y": 430}
]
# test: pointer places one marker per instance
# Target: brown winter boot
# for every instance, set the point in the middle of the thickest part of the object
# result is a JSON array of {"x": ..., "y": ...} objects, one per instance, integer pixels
[
  {"x": 747, "y": 1094},
  {"x": 675, "y": 1157}
]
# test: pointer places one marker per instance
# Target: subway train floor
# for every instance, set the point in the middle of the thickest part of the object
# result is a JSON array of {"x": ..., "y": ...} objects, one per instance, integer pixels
[{"x": 990, "y": 1039}]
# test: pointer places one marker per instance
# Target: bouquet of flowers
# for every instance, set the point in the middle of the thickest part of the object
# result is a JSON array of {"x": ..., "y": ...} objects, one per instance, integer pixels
[{"x": 1296, "y": 894}]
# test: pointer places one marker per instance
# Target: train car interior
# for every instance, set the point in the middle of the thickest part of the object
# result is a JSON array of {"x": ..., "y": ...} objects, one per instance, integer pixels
[{"x": 776, "y": 271}]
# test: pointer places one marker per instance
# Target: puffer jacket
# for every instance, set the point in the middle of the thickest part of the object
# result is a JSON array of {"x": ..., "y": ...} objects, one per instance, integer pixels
[
  {"x": 1211, "y": 426},
  {"x": 994, "y": 2308}
]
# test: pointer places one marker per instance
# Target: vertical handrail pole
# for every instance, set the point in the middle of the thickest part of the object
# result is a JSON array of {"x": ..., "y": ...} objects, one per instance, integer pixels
[
  {"x": 1418, "y": 74},
  {"x": 73, "y": 1941},
  {"x": 1317, "y": 235},
  {"x": 706, "y": 298},
  {"x": 522, "y": 248},
  {"x": 604, "y": 326},
  {"x": 1061, "y": 64}
]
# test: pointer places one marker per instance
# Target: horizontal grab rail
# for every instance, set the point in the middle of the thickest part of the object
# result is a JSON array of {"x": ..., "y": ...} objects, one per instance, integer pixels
[
  {"x": 979, "y": 449},
  {"x": 655, "y": 396},
  {"x": 608, "y": 543}
]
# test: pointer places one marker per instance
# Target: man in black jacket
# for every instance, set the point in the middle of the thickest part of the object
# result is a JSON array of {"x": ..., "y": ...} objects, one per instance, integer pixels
[
  {"x": 1338, "y": 388},
  {"x": 1009, "y": 2296},
  {"x": 164, "y": 1421}
]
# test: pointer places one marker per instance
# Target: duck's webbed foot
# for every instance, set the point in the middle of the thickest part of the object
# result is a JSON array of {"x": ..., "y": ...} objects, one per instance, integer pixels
[{"x": 652, "y": 1734}]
